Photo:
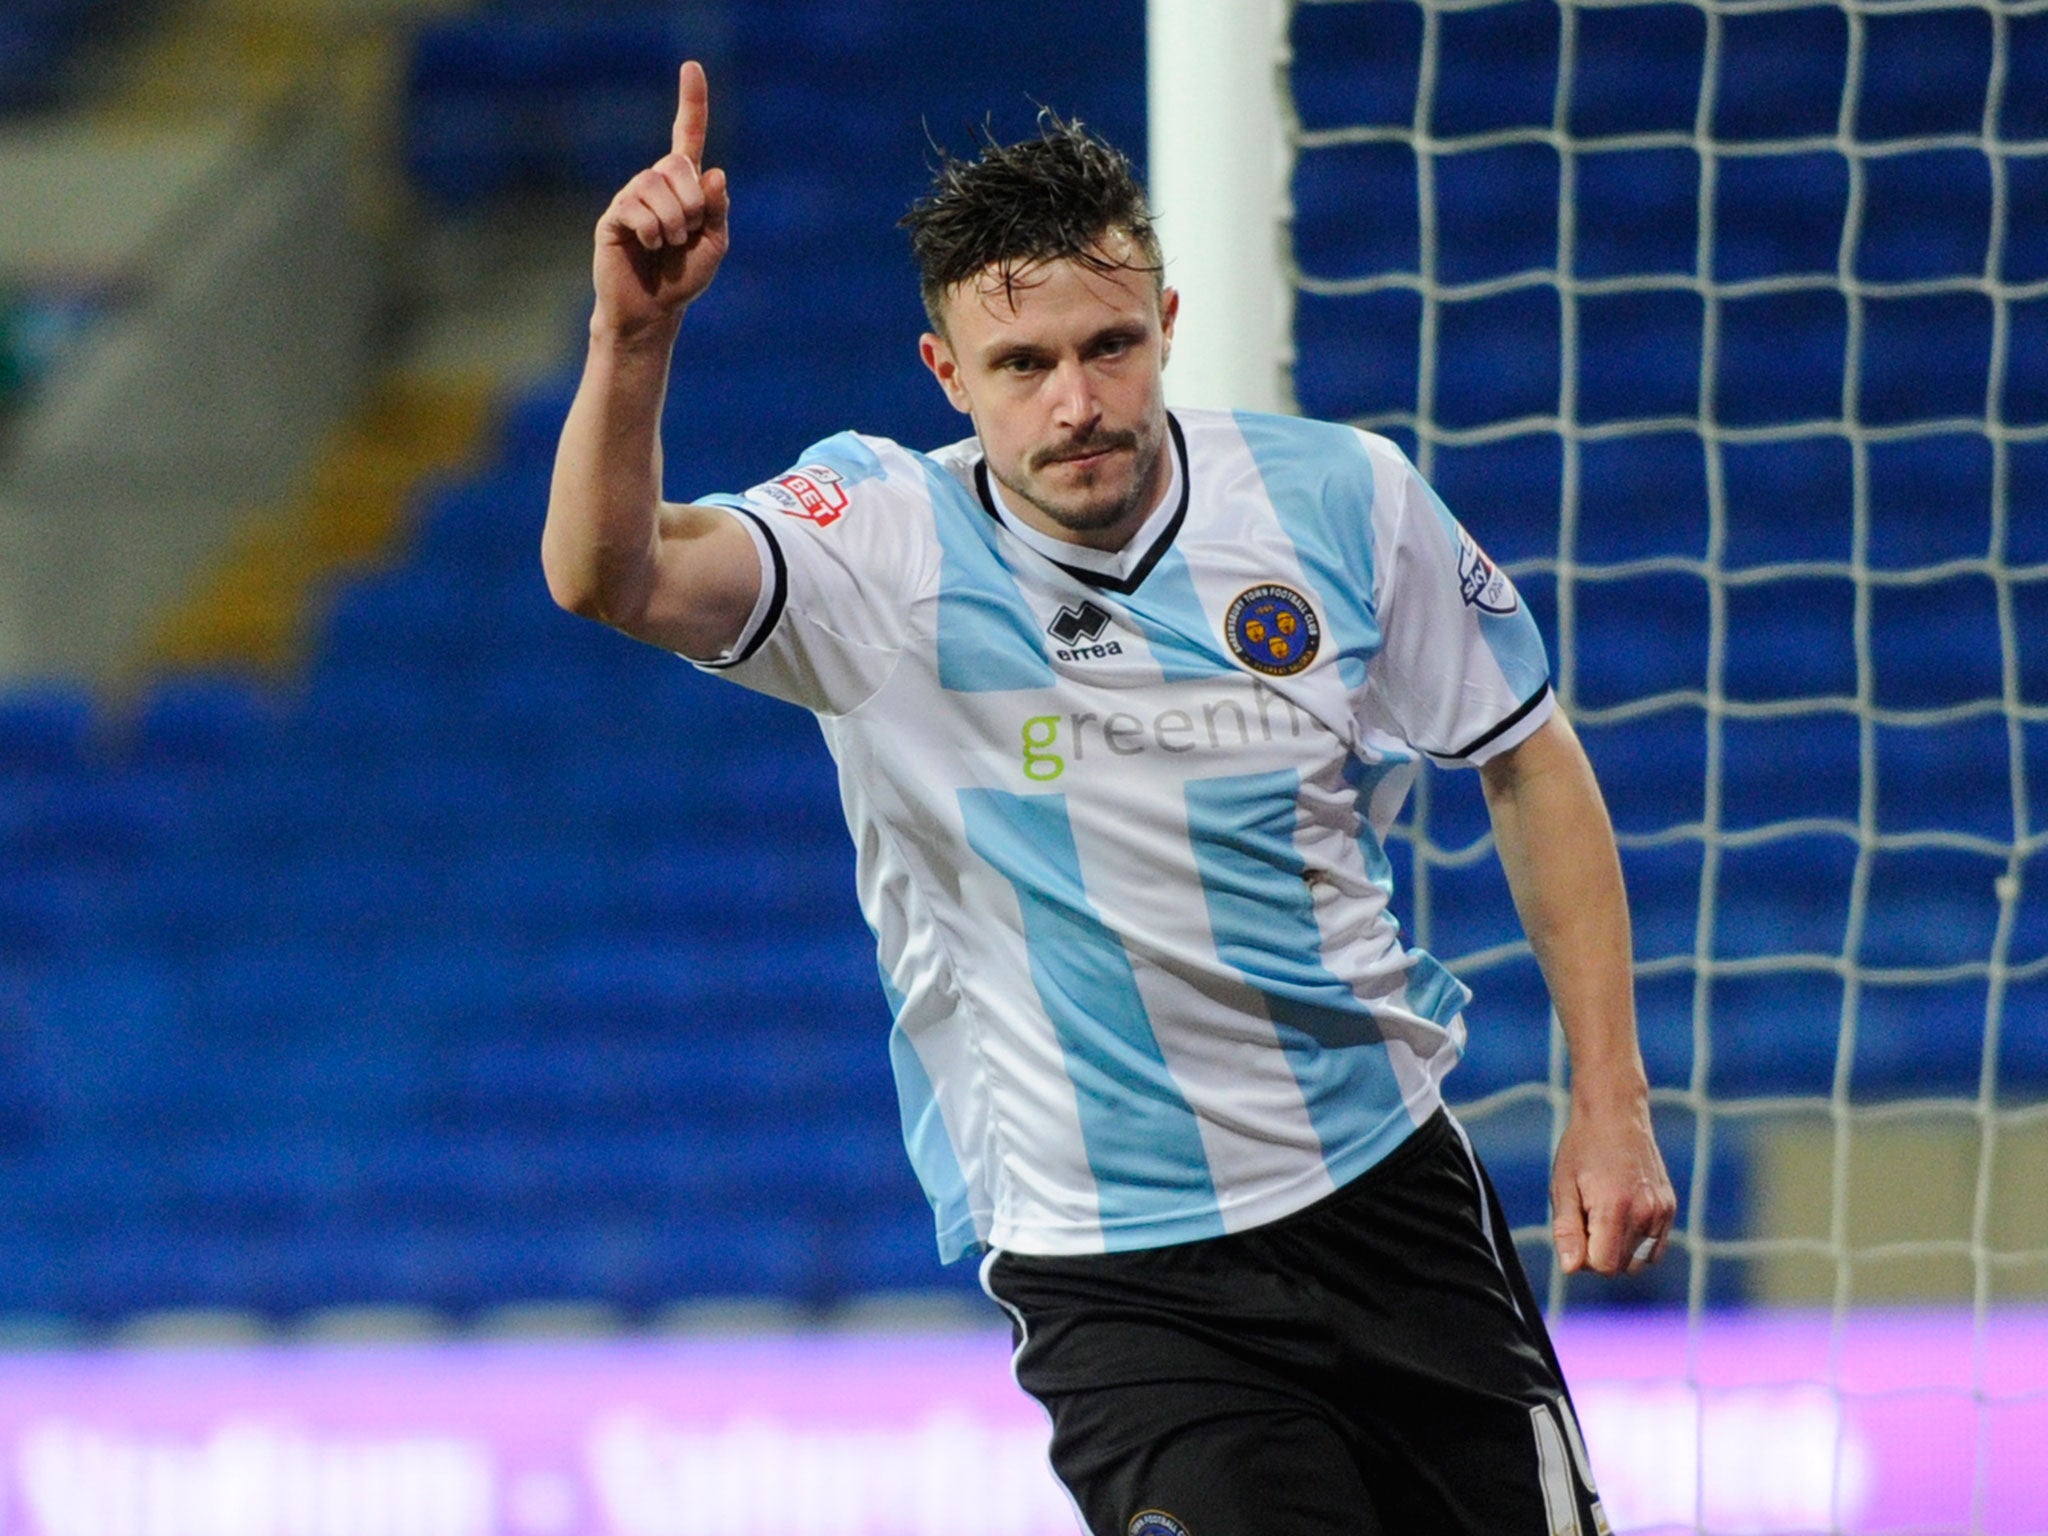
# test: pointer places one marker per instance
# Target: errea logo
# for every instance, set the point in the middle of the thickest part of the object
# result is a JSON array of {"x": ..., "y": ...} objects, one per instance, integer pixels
[{"x": 1079, "y": 629}]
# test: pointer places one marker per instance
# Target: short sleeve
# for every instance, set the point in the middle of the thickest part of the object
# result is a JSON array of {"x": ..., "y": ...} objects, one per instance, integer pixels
[
  {"x": 1462, "y": 670},
  {"x": 843, "y": 538}
]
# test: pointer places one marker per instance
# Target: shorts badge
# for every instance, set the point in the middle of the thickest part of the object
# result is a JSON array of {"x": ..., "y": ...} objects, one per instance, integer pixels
[
  {"x": 1154, "y": 1522},
  {"x": 1272, "y": 629}
]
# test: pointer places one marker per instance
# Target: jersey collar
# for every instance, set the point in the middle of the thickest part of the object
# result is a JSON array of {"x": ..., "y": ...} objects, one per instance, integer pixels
[{"x": 1113, "y": 570}]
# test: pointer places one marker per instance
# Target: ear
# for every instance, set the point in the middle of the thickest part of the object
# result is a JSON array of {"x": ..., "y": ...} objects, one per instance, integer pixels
[
  {"x": 1169, "y": 311},
  {"x": 938, "y": 356}
]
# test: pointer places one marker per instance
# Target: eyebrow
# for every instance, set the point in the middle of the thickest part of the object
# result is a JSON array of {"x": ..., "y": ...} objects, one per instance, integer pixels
[{"x": 1004, "y": 352}]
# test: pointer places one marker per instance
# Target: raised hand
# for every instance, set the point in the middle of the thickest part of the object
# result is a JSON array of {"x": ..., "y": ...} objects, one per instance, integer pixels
[{"x": 661, "y": 240}]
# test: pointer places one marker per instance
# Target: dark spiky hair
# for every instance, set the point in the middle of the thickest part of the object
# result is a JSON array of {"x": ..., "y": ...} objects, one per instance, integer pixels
[{"x": 1016, "y": 205}]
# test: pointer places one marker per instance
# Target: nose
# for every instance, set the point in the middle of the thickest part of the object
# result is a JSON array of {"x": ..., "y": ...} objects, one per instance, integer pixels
[{"x": 1075, "y": 407}]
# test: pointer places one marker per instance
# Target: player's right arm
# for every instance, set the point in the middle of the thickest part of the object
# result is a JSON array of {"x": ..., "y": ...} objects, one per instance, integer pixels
[{"x": 683, "y": 577}]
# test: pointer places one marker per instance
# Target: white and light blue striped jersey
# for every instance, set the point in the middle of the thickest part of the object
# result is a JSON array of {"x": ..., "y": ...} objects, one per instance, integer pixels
[{"x": 1121, "y": 818}]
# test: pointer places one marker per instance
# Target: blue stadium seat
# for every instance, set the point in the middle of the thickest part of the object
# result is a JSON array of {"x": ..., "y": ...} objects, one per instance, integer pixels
[
  {"x": 1665, "y": 1026},
  {"x": 200, "y": 724},
  {"x": 539, "y": 96},
  {"x": 2023, "y": 1023},
  {"x": 1496, "y": 213},
  {"x": 1509, "y": 1024},
  {"x": 45, "y": 728},
  {"x": 57, "y": 916},
  {"x": 1924, "y": 357},
  {"x": 1664, "y": 897},
  {"x": 1925, "y": 73},
  {"x": 1496, "y": 69},
  {"x": 1780, "y": 74},
  {"x": 1936, "y": 645},
  {"x": 1497, "y": 358},
  {"x": 1763, "y": 479},
  {"x": 108, "y": 821},
  {"x": 530, "y": 423},
  {"x": 102, "y": 1038},
  {"x": 1640, "y": 636},
  {"x": 1642, "y": 497},
  {"x": 894, "y": 1251},
  {"x": 1793, "y": 767},
  {"x": 1635, "y": 213},
  {"x": 484, "y": 526},
  {"x": 1782, "y": 357},
  {"x": 1922, "y": 1039},
  {"x": 409, "y": 620},
  {"x": 1355, "y": 64},
  {"x": 1779, "y": 215},
  {"x": 1359, "y": 355},
  {"x": 1330, "y": 185},
  {"x": 1637, "y": 71},
  {"x": 1652, "y": 768},
  {"x": 1926, "y": 216},
  {"x": 1639, "y": 356},
  {"x": 1774, "y": 1033}
]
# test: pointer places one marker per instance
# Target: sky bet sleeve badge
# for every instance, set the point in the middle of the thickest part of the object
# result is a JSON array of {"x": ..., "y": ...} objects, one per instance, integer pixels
[
  {"x": 1481, "y": 583},
  {"x": 1272, "y": 629},
  {"x": 813, "y": 492}
]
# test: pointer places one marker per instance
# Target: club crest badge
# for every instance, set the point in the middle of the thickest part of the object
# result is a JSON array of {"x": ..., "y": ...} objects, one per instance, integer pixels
[
  {"x": 1154, "y": 1522},
  {"x": 1272, "y": 629}
]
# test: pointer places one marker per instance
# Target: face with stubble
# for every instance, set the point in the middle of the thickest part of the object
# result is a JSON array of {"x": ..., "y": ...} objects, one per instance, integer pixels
[{"x": 1060, "y": 370}]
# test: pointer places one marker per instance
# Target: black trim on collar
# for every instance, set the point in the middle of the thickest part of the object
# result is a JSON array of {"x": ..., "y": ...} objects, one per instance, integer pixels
[
  {"x": 1521, "y": 713},
  {"x": 774, "y": 614},
  {"x": 1160, "y": 545}
]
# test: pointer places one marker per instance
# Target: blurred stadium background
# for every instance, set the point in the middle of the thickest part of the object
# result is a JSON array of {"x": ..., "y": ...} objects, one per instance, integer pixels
[{"x": 386, "y": 956}]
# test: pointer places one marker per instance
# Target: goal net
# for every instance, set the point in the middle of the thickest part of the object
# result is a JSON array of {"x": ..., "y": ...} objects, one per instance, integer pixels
[{"x": 1725, "y": 327}]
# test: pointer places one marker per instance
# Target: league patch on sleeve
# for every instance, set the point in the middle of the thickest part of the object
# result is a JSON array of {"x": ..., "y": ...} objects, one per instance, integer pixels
[
  {"x": 813, "y": 492},
  {"x": 1482, "y": 583}
]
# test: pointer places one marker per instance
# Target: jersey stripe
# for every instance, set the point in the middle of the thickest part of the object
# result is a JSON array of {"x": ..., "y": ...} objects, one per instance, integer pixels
[
  {"x": 1168, "y": 612},
  {"x": 1365, "y": 779},
  {"x": 1255, "y": 1125},
  {"x": 1263, "y": 917},
  {"x": 847, "y": 455},
  {"x": 1516, "y": 643},
  {"x": 927, "y": 1140},
  {"x": 988, "y": 641},
  {"x": 1136, "y": 1123},
  {"x": 1327, "y": 516}
]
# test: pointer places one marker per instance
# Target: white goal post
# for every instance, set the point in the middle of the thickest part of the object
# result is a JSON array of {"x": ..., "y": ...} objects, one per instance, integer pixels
[{"x": 1218, "y": 155}]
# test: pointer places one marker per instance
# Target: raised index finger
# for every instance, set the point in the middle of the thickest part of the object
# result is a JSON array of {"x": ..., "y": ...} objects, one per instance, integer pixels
[{"x": 693, "y": 111}]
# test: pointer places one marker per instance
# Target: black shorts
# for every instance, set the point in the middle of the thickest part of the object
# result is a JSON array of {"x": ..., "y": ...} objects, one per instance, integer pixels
[{"x": 1374, "y": 1363}]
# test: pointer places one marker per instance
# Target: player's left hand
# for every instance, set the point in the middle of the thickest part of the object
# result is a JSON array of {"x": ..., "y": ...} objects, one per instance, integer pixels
[{"x": 1611, "y": 1200}]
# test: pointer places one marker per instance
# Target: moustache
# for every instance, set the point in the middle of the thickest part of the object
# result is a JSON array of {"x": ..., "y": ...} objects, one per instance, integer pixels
[{"x": 1085, "y": 448}]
